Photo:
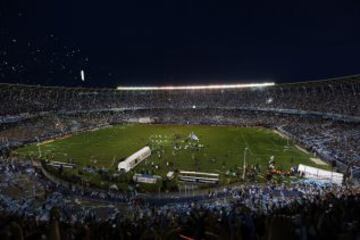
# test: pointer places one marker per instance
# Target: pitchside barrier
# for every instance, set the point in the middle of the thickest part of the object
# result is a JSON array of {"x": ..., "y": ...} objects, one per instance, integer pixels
[
  {"x": 320, "y": 174},
  {"x": 198, "y": 177},
  {"x": 57, "y": 164},
  {"x": 146, "y": 178}
]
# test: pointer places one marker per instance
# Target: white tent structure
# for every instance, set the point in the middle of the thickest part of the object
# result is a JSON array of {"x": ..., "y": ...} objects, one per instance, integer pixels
[
  {"x": 133, "y": 160},
  {"x": 319, "y": 174}
]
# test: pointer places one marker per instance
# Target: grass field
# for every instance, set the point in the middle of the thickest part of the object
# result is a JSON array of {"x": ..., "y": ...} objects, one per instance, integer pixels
[{"x": 220, "y": 149}]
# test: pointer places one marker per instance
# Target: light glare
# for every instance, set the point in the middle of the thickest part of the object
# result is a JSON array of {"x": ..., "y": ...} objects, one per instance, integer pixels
[
  {"x": 198, "y": 87},
  {"x": 82, "y": 75}
]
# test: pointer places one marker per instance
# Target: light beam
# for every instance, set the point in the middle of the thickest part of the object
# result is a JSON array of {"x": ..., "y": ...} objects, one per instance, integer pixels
[{"x": 196, "y": 87}]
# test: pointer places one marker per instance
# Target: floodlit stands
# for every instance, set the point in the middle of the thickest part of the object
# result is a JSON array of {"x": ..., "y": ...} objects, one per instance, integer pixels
[
  {"x": 322, "y": 116},
  {"x": 317, "y": 114},
  {"x": 333, "y": 96}
]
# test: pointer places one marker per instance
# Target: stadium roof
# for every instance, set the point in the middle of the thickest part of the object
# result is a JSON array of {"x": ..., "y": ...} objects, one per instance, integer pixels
[
  {"x": 352, "y": 78},
  {"x": 196, "y": 87}
]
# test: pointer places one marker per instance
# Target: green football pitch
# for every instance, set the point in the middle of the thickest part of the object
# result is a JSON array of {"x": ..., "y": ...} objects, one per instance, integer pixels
[{"x": 219, "y": 149}]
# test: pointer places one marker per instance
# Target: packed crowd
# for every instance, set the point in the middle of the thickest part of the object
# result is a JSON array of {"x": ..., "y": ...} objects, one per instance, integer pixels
[
  {"x": 34, "y": 208},
  {"x": 330, "y": 140},
  {"x": 38, "y": 129},
  {"x": 339, "y": 96}
]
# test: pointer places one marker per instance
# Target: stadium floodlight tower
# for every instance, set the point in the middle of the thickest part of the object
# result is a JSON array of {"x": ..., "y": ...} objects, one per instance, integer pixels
[
  {"x": 244, "y": 166},
  {"x": 39, "y": 147}
]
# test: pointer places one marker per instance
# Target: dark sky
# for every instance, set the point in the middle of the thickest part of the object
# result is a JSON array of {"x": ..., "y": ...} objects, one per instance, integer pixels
[{"x": 176, "y": 42}]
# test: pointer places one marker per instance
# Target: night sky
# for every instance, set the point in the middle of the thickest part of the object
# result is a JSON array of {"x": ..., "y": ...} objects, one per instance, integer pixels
[{"x": 176, "y": 42}]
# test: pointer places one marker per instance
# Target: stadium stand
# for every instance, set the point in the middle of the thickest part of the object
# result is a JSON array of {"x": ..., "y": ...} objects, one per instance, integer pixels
[
  {"x": 331, "y": 97},
  {"x": 324, "y": 111},
  {"x": 322, "y": 116}
]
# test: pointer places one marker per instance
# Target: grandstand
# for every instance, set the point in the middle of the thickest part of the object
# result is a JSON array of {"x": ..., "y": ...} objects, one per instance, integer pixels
[
  {"x": 321, "y": 117},
  {"x": 333, "y": 103},
  {"x": 332, "y": 98}
]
